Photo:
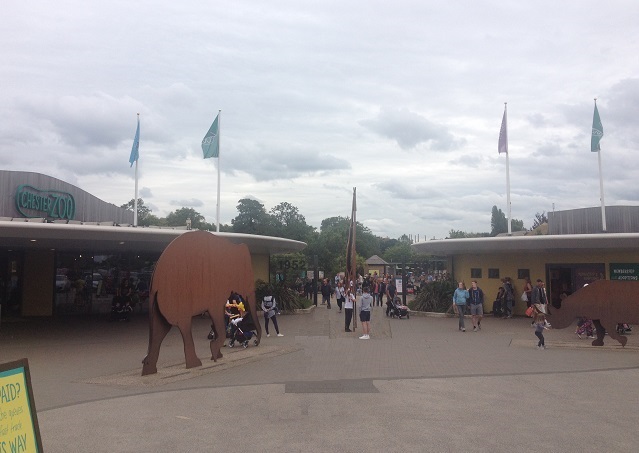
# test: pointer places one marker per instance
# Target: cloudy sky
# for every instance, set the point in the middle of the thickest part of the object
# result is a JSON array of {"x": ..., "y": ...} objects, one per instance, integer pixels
[{"x": 402, "y": 100}]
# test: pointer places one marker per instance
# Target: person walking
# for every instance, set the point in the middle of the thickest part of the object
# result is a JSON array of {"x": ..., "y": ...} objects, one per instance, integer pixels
[
  {"x": 326, "y": 291},
  {"x": 476, "y": 305},
  {"x": 538, "y": 298},
  {"x": 348, "y": 309},
  {"x": 391, "y": 291},
  {"x": 269, "y": 307},
  {"x": 528, "y": 289},
  {"x": 509, "y": 295},
  {"x": 460, "y": 296},
  {"x": 340, "y": 295},
  {"x": 540, "y": 326},
  {"x": 365, "y": 305}
]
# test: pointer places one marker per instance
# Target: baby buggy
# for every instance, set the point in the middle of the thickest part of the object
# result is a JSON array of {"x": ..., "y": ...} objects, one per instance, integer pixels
[
  {"x": 398, "y": 310},
  {"x": 241, "y": 331},
  {"x": 623, "y": 328},
  {"x": 121, "y": 308}
]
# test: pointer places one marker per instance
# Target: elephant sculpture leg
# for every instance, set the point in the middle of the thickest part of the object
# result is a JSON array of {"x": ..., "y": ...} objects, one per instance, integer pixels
[
  {"x": 158, "y": 329},
  {"x": 220, "y": 335},
  {"x": 601, "y": 332},
  {"x": 622, "y": 339},
  {"x": 192, "y": 359}
]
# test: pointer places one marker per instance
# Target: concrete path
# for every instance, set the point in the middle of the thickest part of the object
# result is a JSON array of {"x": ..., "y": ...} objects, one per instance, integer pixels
[{"x": 417, "y": 385}]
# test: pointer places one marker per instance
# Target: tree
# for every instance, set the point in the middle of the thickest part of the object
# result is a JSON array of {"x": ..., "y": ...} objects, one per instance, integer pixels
[
  {"x": 499, "y": 223},
  {"x": 539, "y": 219},
  {"x": 251, "y": 218},
  {"x": 178, "y": 218},
  {"x": 330, "y": 244},
  {"x": 400, "y": 253},
  {"x": 145, "y": 218},
  {"x": 287, "y": 222}
]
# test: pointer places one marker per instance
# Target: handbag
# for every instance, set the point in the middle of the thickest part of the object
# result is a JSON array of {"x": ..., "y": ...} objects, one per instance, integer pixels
[
  {"x": 524, "y": 296},
  {"x": 529, "y": 311}
]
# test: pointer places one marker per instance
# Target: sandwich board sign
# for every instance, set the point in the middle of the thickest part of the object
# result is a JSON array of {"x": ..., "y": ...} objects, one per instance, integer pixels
[{"x": 19, "y": 430}]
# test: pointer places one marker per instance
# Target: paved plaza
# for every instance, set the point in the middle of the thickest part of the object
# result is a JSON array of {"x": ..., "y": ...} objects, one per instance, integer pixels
[{"x": 417, "y": 385}]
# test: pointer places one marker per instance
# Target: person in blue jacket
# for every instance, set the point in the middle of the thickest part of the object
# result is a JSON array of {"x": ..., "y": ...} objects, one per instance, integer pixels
[{"x": 460, "y": 297}]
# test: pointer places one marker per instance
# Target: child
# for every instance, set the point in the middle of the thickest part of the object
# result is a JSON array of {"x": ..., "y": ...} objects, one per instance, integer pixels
[
  {"x": 585, "y": 327},
  {"x": 540, "y": 325}
]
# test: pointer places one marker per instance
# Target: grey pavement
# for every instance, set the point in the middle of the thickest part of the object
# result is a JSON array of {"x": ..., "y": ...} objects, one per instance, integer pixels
[{"x": 417, "y": 385}]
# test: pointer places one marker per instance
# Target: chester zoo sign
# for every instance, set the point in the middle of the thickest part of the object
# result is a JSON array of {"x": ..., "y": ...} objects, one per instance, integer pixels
[{"x": 32, "y": 202}]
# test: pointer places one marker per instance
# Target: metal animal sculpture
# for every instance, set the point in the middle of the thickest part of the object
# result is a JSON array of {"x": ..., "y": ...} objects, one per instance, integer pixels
[
  {"x": 195, "y": 274},
  {"x": 606, "y": 302}
]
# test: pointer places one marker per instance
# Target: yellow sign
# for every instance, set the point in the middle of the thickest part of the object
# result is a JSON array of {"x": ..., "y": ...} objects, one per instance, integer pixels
[{"x": 19, "y": 431}]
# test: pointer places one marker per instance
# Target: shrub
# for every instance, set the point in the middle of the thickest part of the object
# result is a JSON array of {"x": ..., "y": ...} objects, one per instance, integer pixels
[
  {"x": 435, "y": 296},
  {"x": 287, "y": 299}
]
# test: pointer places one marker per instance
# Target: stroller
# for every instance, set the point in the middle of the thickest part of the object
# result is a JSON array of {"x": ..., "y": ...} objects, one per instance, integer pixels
[
  {"x": 121, "y": 308},
  {"x": 623, "y": 328},
  {"x": 242, "y": 331},
  {"x": 397, "y": 309}
]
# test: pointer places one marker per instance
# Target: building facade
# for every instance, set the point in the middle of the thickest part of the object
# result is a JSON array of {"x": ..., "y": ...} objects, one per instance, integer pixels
[{"x": 65, "y": 251}]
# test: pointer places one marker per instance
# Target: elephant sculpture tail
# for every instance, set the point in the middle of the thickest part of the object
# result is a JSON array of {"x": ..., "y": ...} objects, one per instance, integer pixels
[{"x": 256, "y": 320}]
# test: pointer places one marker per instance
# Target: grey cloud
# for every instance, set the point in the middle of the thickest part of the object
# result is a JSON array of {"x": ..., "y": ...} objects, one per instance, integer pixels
[
  {"x": 284, "y": 164},
  {"x": 409, "y": 129},
  {"x": 189, "y": 203},
  {"x": 145, "y": 192}
]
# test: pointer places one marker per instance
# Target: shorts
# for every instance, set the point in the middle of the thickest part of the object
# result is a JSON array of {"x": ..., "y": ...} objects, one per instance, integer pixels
[
  {"x": 476, "y": 309},
  {"x": 365, "y": 316}
]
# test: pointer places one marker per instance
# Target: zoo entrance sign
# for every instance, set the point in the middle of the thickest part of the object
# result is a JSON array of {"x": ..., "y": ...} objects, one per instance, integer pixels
[{"x": 33, "y": 202}]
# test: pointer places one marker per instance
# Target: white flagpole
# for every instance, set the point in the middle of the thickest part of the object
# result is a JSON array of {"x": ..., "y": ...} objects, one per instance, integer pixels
[
  {"x": 219, "y": 144},
  {"x": 601, "y": 189},
  {"x": 135, "y": 199},
  {"x": 508, "y": 176}
]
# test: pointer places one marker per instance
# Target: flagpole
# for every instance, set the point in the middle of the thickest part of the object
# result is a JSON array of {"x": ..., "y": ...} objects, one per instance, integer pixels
[
  {"x": 601, "y": 189},
  {"x": 508, "y": 176},
  {"x": 353, "y": 252},
  {"x": 135, "y": 199},
  {"x": 217, "y": 213}
]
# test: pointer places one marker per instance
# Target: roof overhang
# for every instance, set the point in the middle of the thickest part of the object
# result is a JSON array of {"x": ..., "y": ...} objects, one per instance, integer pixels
[
  {"x": 529, "y": 244},
  {"x": 111, "y": 239}
]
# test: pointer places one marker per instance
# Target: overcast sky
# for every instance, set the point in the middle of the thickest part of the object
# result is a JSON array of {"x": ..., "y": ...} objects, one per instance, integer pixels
[{"x": 403, "y": 100}]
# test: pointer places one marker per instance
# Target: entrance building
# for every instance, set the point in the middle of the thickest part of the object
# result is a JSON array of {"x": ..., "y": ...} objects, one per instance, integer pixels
[
  {"x": 64, "y": 251},
  {"x": 564, "y": 262}
]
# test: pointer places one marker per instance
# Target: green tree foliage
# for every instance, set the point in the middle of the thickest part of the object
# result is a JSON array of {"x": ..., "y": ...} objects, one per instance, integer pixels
[
  {"x": 539, "y": 220},
  {"x": 287, "y": 222},
  {"x": 145, "y": 218},
  {"x": 399, "y": 253},
  {"x": 178, "y": 218},
  {"x": 499, "y": 224},
  {"x": 251, "y": 218},
  {"x": 330, "y": 245},
  {"x": 287, "y": 299},
  {"x": 435, "y": 296}
]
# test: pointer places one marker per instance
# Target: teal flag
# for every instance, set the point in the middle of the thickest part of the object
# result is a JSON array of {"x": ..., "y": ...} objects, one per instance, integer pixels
[
  {"x": 211, "y": 141},
  {"x": 597, "y": 131},
  {"x": 135, "y": 149}
]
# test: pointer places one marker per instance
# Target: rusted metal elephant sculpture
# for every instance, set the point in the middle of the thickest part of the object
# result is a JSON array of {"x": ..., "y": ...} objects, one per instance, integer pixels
[
  {"x": 195, "y": 274},
  {"x": 606, "y": 302}
]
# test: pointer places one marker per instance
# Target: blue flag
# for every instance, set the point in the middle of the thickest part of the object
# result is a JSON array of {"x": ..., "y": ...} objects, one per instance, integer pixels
[
  {"x": 135, "y": 150},
  {"x": 211, "y": 141},
  {"x": 597, "y": 131}
]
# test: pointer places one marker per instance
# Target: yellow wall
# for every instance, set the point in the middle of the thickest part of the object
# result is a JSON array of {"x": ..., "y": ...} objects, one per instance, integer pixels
[
  {"x": 508, "y": 265},
  {"x": 37, "y": 288},
  {"x": 260, "y": 267}
]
